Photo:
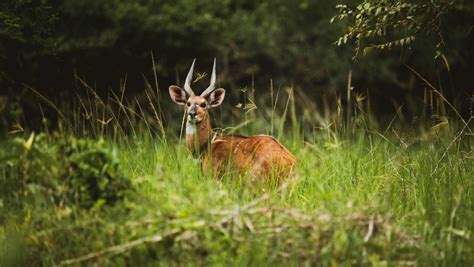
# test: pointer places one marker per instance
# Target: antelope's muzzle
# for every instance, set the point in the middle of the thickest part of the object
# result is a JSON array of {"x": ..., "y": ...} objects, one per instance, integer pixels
[{"x": 192, "y": 112}]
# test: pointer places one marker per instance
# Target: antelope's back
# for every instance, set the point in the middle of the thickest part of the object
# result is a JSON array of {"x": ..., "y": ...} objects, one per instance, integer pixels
[{"x": 261, "y": 155}]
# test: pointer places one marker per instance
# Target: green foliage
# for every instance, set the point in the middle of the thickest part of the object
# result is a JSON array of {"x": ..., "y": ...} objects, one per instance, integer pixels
[
  {"x": 283, "y": 37},
  {"x": 28, "y": 22},
  {"x": 75, "y": 173},
  {"x": 364, "y": 195},
  {"x": 10, "y": 112},
  {"x": 389, "y": 24},
  {"x": 287, "y": 41},
  {"x": 367, "y": 201},
  {"x": 92, "y": 173},
  {"x": 368, "y": 198}
]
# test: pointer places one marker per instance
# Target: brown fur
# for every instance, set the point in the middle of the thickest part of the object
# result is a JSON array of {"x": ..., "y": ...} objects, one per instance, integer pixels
[{"x": 261, "y": 157}]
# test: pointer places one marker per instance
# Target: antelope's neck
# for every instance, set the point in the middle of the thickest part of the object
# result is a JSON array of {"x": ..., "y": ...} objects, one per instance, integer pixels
[{"x": 197, "y": 135}]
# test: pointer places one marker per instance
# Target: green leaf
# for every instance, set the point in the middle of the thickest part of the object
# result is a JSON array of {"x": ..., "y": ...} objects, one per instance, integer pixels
[
  {"x": 29, "y": 143},
  {"x": 378, "y": 11},
  {"x": 367, "y": 50}
]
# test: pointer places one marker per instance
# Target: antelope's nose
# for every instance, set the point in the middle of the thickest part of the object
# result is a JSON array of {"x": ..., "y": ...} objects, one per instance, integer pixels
[{"x": 192, "y": 114}]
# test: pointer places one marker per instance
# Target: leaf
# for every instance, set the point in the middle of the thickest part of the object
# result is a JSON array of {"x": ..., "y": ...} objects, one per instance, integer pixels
[
  {"x": 461, "y": 233},
  {"x": 442, "y": 121},
  {"x": 445, "y": 60},
  {"x": 367, "y": 50},
  {"x": 29, "y": 143},
  {"x": 17, "y": 128},
  {"x": 378, "y": 11}
]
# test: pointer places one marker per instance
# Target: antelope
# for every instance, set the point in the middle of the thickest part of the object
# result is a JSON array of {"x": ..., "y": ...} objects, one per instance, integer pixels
[{"x": 261, "y": 157}]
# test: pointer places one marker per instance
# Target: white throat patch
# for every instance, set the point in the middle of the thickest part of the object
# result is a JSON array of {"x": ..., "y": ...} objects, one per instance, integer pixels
[{"x": 190, "y": 129}]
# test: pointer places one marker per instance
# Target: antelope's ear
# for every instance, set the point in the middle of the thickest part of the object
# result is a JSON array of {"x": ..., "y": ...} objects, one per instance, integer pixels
[
  {"x": 177, "y": 95},
  {"x": 216, "y": 97}
]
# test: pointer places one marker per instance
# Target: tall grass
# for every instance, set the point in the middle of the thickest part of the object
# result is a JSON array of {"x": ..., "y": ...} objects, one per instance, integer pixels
[{"x": 364, "y": 194}]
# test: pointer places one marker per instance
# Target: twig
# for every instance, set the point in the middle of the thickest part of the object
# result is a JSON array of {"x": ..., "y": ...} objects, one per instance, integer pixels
[
  {"x": 246, "y": 208},
  {"x": 157, "y": 238},
  {"x": 119, "y": 248},
  {"x": 370, "y": 231}
]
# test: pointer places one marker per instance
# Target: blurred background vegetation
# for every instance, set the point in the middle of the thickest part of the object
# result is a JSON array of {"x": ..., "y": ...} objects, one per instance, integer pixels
[{"x": 308, "y": 45}]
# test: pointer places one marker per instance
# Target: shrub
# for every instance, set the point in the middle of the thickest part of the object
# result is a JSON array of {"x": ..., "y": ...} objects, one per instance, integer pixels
[{"x": 72, "y": 172}]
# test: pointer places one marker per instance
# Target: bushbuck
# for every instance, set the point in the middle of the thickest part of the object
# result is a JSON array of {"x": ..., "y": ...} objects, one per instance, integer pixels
[{"x": 261, "y": 157}]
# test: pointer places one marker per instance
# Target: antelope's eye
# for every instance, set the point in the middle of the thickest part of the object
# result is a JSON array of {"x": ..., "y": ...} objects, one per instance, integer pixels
[
  {"x": 203, "y": 105},
  {"x": 188, "y": 104}
]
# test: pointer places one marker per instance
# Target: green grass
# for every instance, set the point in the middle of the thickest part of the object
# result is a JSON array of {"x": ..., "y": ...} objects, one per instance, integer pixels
[{"x": 364, "y": 197}]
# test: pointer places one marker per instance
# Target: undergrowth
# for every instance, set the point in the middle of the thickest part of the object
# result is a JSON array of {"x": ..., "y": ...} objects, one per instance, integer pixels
[{"x": 113, "y": 187}]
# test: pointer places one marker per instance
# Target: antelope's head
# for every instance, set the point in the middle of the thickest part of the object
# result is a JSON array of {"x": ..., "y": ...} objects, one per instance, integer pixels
[{"x": 197, "y": 105}]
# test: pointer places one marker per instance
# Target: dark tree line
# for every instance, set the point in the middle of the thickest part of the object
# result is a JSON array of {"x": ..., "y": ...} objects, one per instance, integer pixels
[{"x": 45, "y": 43}]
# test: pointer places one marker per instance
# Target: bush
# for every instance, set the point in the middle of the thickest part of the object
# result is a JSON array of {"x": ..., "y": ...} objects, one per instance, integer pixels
[
  {"x": 71, "y": 172},
  {"x": 92, "y": 173}
]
